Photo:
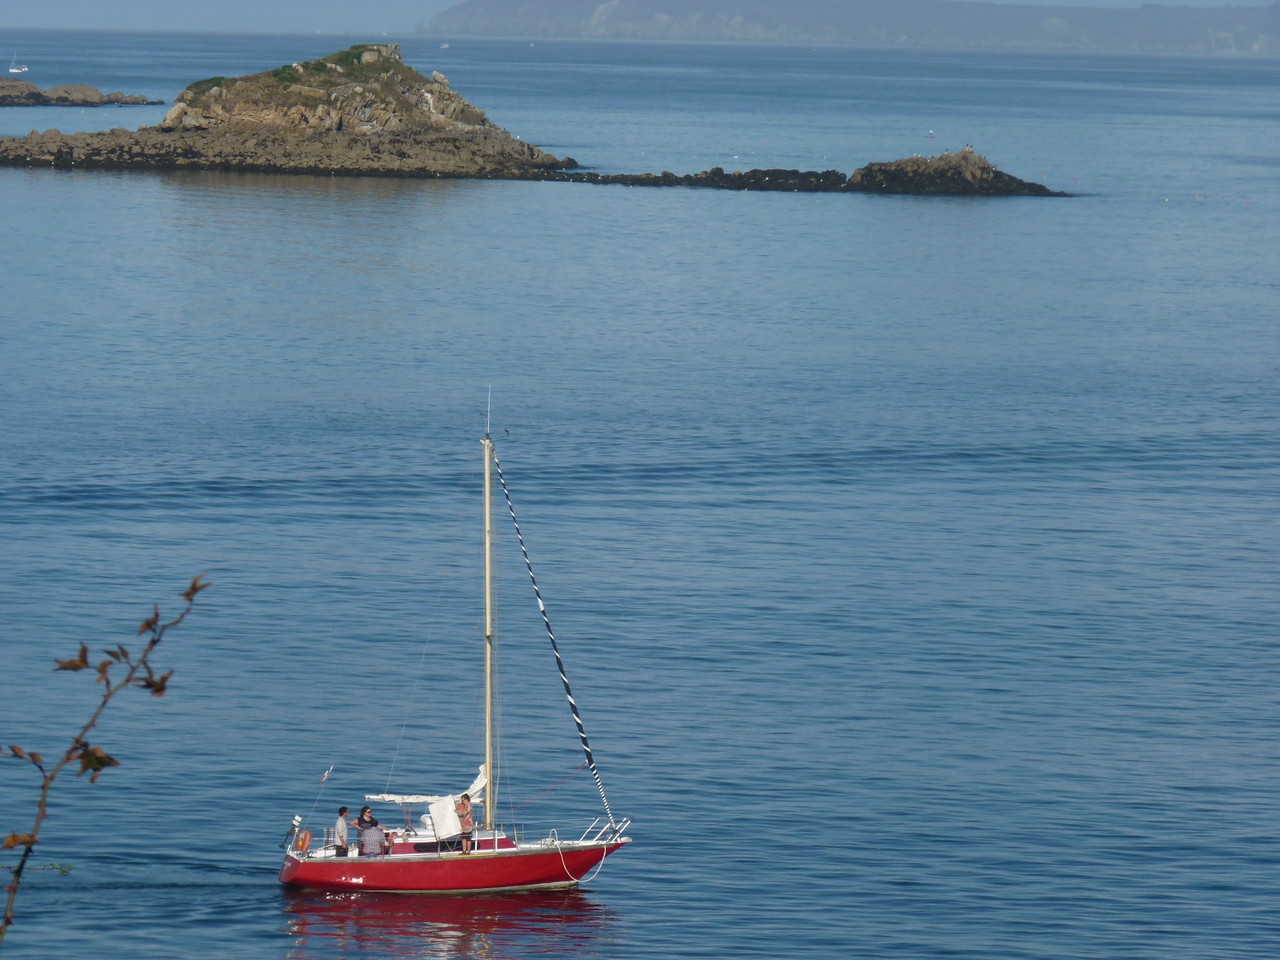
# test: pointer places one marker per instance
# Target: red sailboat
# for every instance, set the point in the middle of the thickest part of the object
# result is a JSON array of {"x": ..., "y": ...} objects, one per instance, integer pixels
[{"x": 428, "y": 855}]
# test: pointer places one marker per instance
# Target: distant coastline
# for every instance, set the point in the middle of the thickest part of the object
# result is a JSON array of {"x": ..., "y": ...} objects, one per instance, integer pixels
[{"x": 1149, "y": 28}]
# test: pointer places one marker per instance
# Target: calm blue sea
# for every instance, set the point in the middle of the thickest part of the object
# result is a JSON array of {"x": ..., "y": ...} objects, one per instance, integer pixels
[{"x": 914, "y": 560}]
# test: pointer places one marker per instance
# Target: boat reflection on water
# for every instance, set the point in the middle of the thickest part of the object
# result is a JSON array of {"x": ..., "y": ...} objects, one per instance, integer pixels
[{"x": 539, "y": 922}]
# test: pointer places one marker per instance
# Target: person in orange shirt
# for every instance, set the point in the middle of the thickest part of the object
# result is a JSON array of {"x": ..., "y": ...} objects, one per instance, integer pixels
[{"x": 463, "y": 809}]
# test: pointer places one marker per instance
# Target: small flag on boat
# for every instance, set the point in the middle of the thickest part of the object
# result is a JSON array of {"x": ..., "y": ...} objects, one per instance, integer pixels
[{"x": 326, "y": 775}]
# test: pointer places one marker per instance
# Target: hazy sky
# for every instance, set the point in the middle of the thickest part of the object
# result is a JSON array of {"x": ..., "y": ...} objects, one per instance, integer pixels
[{"x": 366, "y": 17}]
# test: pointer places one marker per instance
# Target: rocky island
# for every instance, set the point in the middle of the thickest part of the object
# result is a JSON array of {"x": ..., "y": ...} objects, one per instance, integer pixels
[
  {"x": 364, "y": 112},
  {"x": 20, "y": 93},
  {"x": 360, "y": 111}
]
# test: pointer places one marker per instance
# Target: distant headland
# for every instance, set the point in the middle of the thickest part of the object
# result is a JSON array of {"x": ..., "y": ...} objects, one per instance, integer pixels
[
  {"x": 1231, "y": 30},
  {"x": 364, "y": 112}
]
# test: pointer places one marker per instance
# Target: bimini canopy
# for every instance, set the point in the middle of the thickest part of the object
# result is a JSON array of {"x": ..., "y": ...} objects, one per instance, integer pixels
[{"x": 475, "y": 791}]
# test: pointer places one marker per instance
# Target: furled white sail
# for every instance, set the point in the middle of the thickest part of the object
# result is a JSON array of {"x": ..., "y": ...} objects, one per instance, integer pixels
[{"x": 476, "y": 791}]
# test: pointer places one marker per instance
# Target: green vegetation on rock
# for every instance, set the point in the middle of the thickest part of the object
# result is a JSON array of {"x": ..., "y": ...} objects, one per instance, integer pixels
[{"x": 204, "y": 86}]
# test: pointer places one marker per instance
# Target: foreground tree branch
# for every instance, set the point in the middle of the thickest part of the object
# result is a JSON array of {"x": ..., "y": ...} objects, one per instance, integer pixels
[{"x": 120, "y": 669}]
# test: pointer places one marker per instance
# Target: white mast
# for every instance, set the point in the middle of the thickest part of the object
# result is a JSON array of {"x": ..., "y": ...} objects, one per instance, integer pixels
[{"x": 491, "y": 789}]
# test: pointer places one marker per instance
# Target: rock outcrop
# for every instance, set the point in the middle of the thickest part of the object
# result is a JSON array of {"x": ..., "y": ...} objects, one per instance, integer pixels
[
  {"x": 360, "y": 111},
  {"x": 20, "y": 93},
  {"x": 964, "y": 173}
]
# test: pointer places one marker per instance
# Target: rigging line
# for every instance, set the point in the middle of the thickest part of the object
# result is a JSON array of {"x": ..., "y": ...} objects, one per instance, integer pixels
[
  {"x": 546, "y": 620},
  {"x": 417, "y": 685},
  {"x": 599, "y": 867},
  {"x": 551, "y": 789},
  {"x": 564, "y": 866},
  {"x": 502, "y": 783},
  {"x": 319, "y": 793}
]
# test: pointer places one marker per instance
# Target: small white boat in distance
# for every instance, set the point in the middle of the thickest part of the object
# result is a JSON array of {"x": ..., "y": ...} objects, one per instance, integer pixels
[{"x": 14, "y": 66}]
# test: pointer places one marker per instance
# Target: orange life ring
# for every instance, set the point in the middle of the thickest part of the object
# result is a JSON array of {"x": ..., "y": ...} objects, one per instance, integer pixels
[{"x": 304, "y": 840}]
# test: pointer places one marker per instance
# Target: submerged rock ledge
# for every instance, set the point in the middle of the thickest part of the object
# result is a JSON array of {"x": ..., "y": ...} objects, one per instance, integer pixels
[
  {"x": 363, "y": 112},
  {"x": 958, "y": 174},
  {"x": 20, "y": 93}
]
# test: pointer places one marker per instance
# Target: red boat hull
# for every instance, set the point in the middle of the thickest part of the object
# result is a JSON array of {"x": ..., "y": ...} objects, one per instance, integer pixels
[{"x": 526, "y": 868}]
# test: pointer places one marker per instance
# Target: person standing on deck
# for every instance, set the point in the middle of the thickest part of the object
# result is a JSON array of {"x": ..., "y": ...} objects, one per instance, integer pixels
[
  {"x": 463, "y": 809},
  {"x": 340, "y": 833}
]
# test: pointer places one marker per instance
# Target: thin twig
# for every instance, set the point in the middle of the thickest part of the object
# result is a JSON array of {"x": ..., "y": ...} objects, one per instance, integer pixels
[{"x": 91, "y": 758}]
